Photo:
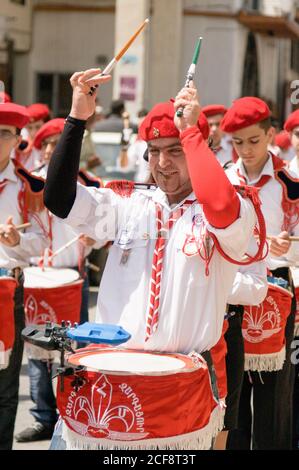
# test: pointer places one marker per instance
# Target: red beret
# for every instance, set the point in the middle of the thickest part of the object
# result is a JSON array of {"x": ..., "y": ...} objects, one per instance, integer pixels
[
  {"x": 12, "y": 114},
  {"x": 213, "y": 109},
  {"x": 245, "y": 112},
  {"x": 159, "y": 123},
  {"x": 5, "y": 97},
  {"x": 38, "y": 111},
  {"x": 292, "y": 121},
  {"x": 55, "y": 126},
  {"x": 282, "y": 140}
]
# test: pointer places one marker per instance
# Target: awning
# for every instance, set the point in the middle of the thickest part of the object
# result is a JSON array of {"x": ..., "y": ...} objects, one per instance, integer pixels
[{"x": 278, "y": 26}]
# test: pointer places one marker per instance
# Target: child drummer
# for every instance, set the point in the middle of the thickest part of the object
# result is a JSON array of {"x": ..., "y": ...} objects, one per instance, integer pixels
[{"x": 15, "y": 251}]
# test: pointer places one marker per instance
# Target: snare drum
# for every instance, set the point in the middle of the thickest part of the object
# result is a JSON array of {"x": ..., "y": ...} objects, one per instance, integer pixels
[
  {"x": 263, "y": 330},
  {"x": 295, "y": 276},
  {"x": 129, "y": 399},
  {"x": 7, "y": 321},
  {"x": 51, "y": 294}
]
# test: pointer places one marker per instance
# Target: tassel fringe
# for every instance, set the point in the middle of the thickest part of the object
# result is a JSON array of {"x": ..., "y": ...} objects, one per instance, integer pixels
[{"x": 265, "y": 362}]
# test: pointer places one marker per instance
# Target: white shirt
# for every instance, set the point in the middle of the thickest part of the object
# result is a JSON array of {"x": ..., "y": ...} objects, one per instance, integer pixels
[
  {"x": 62, "y": 233},
  {"x": 294, "y": 165},
  {"x": 192, "y": 304},
  {"x": 32, "y": 161},
  {"x": 250, "y": 284},
  {"x": 34, "y": 241},
  {"x": 271, "y": 196}
]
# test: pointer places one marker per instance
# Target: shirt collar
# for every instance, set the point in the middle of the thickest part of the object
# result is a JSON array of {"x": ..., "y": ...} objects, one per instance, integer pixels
[
  {"x": 160, "y": 197},
  {"x": 9, "y": 173},
  {"x": 267, "y": 170}
]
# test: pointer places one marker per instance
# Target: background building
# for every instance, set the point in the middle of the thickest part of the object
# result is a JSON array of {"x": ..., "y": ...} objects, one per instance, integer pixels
[{"x": 249, "y": 47}]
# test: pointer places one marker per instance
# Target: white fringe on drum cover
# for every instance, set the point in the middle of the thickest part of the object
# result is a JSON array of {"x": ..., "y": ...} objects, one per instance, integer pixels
[
  {"x": 266, "y": 362},
  {"x": 197, "y": 440}
]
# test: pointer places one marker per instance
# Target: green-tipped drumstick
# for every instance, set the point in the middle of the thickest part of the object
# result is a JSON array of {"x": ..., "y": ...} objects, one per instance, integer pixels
[{"x": 191, "y": 71}]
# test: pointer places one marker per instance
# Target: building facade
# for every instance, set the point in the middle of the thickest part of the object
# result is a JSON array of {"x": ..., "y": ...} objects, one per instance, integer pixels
[{"x": 249, "y": 47}]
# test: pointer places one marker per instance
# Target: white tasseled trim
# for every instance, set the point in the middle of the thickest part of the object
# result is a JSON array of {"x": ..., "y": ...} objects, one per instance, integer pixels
[
  {"x": 197, "y": 440},
  {"x": 35, "y": 352},
  {"x": 296, "y": 329},
  {"x": 4, "y": 358},
  {"x": 265, "y": 362}
]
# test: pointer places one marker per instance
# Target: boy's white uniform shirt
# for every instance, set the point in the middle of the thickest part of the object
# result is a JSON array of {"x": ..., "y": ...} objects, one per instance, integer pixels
[
  {"x": 294, "y": 165},
  {"x": 225, "y": 152},
  {"x": 62, "y": 233},
  {"x": 34, "y": 240},
  {"x": 192, "y": 305},
  {"x": 271, "y": 196}
]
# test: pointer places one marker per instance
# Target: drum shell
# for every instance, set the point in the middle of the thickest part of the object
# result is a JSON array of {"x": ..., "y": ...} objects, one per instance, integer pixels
[
  {"x": 111, "y": 410},
  {"x": 7, "y": 322},
  {"x": 263, "y": 330},
  {"x": 61, "y": 302}
]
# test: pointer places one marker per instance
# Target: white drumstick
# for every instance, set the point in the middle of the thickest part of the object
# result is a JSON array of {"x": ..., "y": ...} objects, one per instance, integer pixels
[
  {"x": 64, "y": 247},
  {"x": 291, "y": 239}
]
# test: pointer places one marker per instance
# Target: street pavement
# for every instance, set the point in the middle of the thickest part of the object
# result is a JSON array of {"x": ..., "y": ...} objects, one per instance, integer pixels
[{"x": 24, "y": 418}]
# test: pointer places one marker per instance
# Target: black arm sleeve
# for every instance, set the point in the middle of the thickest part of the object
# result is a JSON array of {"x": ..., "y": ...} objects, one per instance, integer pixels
[{"x": 61, "y": 183}]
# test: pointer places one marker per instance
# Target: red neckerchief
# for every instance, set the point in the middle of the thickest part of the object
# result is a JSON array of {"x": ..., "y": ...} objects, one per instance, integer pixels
[{"x": 163, "y": 230}]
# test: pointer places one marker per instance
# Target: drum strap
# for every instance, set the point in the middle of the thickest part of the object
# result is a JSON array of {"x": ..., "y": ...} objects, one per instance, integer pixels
[{"x": 208, "y": 358}]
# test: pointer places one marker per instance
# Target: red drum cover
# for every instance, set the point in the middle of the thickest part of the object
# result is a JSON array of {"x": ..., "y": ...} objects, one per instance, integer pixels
[
  {"x": 7, "y": 321},
  {"x": 263, "y": 330},
  {"x": 53, "y": 304},
  {"x": 126, "y": 410}
]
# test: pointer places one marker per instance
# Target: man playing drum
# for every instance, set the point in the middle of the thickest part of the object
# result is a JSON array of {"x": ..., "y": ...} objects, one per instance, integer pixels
[
  {"x": 18, "y": 202},
  {"x": 171, "y": 283}
]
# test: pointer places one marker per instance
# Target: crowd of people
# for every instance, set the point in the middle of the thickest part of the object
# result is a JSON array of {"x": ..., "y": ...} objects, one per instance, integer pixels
[{"x": 202, "y": 262}]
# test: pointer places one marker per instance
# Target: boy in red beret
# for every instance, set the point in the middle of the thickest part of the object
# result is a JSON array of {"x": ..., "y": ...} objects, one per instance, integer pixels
[
  {"x": 292, "y": 127},
  {"x": 248, "y": 122},
  {"x": 283, "y": 146},
  {"x": 40, "y": 371},
  {"x": 26, "y": 154},
  {"x": 16, "y": 247},
  {"x": 220, "y": 144}
]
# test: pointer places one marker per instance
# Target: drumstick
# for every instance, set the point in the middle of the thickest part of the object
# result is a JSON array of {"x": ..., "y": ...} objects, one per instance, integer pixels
[
  {"x": 21, "y": 226},
  {"x": 64, "y": 247},
  {"x": 93, "y": 267},
  {"x": 291, "y": 238},
  {"x": 17, "y": 227},
  {"x": 118, "y": 56}
]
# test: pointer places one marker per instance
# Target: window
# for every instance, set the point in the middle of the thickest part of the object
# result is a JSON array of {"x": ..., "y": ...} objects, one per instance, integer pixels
[
  {"x": 55, "y": 90},
  {"x": 19, "y": 2},
  {"x": 295, "y": 56},
  {"x": 252, "y": 5}
]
